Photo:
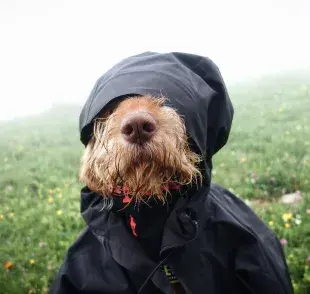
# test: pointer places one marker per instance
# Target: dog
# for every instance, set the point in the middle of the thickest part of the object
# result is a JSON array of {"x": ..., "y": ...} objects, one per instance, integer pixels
[
  {"x": 155, "y": 222},
  {"x": 142, "y": 144}
]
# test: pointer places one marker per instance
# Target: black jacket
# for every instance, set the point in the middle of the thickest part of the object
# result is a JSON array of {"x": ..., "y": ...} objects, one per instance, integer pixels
[{"x": 213, "y": 242}]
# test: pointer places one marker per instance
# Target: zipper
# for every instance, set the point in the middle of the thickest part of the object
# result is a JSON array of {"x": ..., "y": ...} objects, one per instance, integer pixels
[
  {"x": 153, "y": 272},
  {"x": 170, "y": 247}
]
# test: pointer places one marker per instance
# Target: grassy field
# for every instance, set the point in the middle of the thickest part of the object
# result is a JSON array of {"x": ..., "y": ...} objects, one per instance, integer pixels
[{"x": 268, "y": 155}]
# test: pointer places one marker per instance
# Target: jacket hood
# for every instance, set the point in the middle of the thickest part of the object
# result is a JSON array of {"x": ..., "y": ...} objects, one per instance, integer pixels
[{"x": 193, "y": 85}]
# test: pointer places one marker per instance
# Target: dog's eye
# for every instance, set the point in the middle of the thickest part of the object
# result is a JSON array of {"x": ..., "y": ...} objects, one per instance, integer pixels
[{"x": 106, "y": 113}]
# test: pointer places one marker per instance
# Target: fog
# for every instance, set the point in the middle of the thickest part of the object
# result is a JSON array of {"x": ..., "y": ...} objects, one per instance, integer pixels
[{"x": 53, "y": 51}]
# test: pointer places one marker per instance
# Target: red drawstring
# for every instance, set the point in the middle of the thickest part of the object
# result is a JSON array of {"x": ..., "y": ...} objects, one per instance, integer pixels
[
  {"x": 125, "y": 191},
  {"x": 133, "y": 225},
  {"x": 126, "y": 199}
]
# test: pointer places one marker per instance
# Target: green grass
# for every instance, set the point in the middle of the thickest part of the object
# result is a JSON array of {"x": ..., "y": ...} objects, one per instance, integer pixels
[{"x": 268, "y": 154}]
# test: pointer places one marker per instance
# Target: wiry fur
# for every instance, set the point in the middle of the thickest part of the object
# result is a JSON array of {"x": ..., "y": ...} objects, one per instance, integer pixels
[{"x": 111, "y": 161}]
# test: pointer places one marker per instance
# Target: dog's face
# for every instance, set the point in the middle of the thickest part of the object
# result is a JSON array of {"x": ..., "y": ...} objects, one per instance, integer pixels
[{"x": 141, "y": 144}]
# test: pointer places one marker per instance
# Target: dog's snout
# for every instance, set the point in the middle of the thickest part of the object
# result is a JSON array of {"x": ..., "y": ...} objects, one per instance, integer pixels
[{"x": 139, "y": 127}]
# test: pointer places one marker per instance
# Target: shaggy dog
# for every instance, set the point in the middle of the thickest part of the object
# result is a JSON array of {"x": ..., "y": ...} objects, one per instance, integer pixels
[
  {"x": 140, "y": 144},
  {"x": 155, "y": 222}
]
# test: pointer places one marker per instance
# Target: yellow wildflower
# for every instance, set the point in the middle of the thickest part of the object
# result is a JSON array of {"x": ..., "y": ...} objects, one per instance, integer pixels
[
  {"x": 11, "y": 214},
  {"x": 287, "y": 216},
  {"x": 243, "y": 159},
  {"x": 1, "y": 216},
  {"x": 8, "y": 265},
  {"x": 287, "y": 225},
  {"x": 59, "y": 212},
  {"x": 32, "y": 261},
  {"x": 270, "y": 223},
  {"x": 59, "y": 196},
  {"x": 50, "y": 199}
]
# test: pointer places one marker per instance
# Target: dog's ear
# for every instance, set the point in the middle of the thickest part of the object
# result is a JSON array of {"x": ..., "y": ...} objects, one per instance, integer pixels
[{"x": 86, "y": 176}]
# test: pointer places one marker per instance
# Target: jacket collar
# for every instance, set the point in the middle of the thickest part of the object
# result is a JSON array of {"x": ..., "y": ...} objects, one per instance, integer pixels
[
  {"x": 183, "y": 225},
  {"x": 187, "y": 210}
]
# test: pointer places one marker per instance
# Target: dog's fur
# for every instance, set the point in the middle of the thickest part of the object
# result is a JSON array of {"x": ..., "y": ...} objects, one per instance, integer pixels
[{"x": 110, "y": 161}]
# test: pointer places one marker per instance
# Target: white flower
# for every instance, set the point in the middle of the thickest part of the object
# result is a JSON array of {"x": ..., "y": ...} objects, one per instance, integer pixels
[
  {"x": 248, "y": 202},
  {"x": 297, "y": 221}
]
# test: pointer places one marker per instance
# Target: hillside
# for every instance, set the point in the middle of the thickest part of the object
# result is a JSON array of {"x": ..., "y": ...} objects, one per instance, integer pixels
[{"x": 268, "y": 154}]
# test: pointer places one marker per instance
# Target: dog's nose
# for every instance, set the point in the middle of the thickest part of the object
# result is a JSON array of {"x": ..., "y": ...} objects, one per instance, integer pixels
[{"x": 138, "y": 127}]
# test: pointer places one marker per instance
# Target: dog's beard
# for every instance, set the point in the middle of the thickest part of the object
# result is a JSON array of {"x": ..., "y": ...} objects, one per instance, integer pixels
[{"x": 108, "y": 162}]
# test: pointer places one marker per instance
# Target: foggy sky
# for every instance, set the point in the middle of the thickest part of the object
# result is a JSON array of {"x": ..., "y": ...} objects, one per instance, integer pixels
[{"x": 54, "y": 51}]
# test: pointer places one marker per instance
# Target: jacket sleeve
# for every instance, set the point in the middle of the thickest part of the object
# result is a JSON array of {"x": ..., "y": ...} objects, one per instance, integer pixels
[
  {"x": 73, "y": 271},
  {"x": 261, "y": 267},
  {"x": 62, "y": 283}
]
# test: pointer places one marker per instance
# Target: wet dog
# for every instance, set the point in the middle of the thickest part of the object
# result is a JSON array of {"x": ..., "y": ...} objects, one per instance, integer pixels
[
  {"x": 142, "y": 145},
  {"x": 187, "y": 235}
]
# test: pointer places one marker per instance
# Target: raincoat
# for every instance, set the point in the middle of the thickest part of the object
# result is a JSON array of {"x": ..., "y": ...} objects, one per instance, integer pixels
[{"x": 210, "y": 241}]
